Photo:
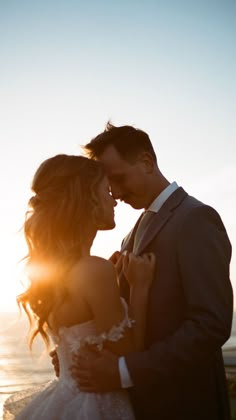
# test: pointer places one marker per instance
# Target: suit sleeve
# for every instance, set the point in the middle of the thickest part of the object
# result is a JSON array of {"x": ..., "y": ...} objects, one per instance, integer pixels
[{"x": 204, "y": 254}]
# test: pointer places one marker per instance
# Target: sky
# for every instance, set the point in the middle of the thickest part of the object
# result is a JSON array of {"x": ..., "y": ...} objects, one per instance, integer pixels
[{"x": 67, "y": 67}]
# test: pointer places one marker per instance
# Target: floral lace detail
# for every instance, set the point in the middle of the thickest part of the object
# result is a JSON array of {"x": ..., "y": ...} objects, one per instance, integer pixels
[
  {"x": 80, "y": 335},
  {"x": 114, "y": 334}
]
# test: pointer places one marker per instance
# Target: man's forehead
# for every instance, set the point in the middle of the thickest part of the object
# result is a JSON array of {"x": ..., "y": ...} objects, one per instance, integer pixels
[
  {"x": 112, "y": 161},
  {"x": 113, "y": 171},
  {"x": 110, "y": 154}
]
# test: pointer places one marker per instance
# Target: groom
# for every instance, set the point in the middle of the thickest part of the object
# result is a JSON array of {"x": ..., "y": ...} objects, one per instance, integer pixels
[{"x": 180, "y": 373}]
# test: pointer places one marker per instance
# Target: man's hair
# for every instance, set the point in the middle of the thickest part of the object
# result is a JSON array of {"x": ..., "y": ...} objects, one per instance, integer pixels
[{"x": 127, "y": 140}]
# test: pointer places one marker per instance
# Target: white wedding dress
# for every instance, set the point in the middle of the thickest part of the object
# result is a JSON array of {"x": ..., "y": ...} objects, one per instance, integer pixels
[{"x": 61, "y": 399}]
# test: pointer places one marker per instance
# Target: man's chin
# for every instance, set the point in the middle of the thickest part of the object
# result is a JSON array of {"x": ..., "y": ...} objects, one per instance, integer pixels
[
  {"x": 129, "y": 202},
  {"x": 108, "y": 226},
  {"x": 135, "y": 206}
]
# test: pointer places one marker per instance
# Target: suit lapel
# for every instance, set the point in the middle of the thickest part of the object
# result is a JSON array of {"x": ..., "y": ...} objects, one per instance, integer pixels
[
  {"x": 128, "y": 241},
  {"x": 161, "y": 218}
]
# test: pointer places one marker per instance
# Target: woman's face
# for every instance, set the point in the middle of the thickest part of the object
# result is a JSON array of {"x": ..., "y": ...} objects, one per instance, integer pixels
[{"x": 107, "y": 204}]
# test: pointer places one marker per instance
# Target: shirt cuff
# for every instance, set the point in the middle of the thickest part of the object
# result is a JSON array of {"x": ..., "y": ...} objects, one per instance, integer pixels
[{"x": 125, "y": 378}]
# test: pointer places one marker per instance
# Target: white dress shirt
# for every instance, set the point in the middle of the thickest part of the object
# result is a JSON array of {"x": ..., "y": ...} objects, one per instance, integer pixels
[{"x": 125, "y": 379}]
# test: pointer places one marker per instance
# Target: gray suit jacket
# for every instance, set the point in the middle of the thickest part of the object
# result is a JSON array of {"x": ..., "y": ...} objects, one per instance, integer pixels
[{"x": 180, "y": 375}]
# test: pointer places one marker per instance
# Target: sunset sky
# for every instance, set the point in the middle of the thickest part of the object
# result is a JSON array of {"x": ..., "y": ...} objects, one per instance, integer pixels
[{"x": 167, "y": 67}]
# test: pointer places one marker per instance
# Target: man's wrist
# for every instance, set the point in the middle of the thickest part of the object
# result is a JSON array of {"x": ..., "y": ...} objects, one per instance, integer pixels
[{"x": 125, "y": 379}]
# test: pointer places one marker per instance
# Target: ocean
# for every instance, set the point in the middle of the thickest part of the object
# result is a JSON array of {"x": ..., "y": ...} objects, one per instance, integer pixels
[{"x": 20, "y": 369}]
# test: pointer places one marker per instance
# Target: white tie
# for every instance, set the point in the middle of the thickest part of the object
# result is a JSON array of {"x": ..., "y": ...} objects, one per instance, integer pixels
[{"x": 144, "y": 221}]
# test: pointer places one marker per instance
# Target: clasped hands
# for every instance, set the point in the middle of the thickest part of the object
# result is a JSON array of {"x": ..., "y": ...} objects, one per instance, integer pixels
[{"x": 137, "y": 270}]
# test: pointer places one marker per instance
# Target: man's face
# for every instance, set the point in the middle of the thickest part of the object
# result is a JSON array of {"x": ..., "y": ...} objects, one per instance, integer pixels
[{"x": 128, "y": 181}]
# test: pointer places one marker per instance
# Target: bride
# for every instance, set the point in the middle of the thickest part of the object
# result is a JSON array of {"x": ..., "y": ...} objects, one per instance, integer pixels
[{"x": 73, "y": 297}]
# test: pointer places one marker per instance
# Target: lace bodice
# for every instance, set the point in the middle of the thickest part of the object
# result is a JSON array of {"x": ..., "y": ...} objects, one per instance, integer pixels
[
  {"x": 70, "y": 340},
  {"x": 61, "y": 399}
]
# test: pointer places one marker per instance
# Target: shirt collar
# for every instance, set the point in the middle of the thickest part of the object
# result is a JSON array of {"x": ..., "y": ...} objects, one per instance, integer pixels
[{"x": 162, "y": 197}]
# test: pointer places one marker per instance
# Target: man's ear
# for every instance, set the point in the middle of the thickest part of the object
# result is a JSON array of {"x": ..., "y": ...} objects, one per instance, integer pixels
[{"x": 147, "y": 161}]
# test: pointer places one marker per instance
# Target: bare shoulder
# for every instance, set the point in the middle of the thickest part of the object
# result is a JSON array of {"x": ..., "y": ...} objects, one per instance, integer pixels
[
  {"x": 90, "y": 265},
  {"x": 91, "y": 270}
]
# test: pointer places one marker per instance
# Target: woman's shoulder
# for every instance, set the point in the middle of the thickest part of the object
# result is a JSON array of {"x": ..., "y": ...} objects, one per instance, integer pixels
[
  {"x": 91, "y": 269},
  {"x": 91, "y": 263}
]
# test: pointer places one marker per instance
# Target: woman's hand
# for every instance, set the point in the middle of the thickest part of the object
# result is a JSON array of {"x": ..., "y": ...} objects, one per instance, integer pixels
[
  {"x": 139, "y": 270},
  {"x": 115, "y": 257}
]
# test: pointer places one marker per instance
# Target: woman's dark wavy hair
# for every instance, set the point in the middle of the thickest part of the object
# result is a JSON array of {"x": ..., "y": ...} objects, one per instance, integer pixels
[{"x": 61, "y": 215}]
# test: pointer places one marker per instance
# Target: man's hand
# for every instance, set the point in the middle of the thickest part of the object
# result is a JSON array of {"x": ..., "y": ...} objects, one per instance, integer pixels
[
  {"x": 139, "y": 270},
  {"x": 96, "y": 371},
  {"x": 55, "y": 362}
]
